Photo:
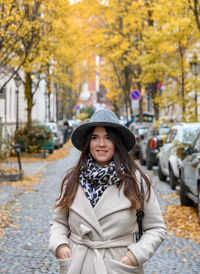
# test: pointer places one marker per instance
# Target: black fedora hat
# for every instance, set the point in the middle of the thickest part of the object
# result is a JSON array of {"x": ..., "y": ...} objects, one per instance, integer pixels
[{"x": 107, "y": 118}]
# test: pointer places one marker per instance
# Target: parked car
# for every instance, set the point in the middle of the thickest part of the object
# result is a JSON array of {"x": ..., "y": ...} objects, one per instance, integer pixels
[
  {"x": 48, "y": 143},
  {"x": 146, "y": 116},
  {"x": 171, "y": 154},
  {"x": 74, "y": 123},
  {"x": 138, "y": 129},
  {"x": 190, "y": 176},
  {"x": 58, "y": 135},
  {"x": 150, "y": 144}
]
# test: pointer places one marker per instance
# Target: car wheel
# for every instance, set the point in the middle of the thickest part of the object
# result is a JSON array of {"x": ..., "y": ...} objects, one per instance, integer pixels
[
  {"x": 149, "y": 163},
  {"x": 198, "y": 205},
  {"x": 142, "y": 161},
  {"x": 161, "y": 176},
  {"x": 172, "y": 179},
  {"x": 186, "y": 201}
]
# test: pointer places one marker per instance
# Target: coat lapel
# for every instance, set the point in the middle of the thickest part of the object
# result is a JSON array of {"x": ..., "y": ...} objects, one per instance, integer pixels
[
  {"x": 83, "y": 208},
  {"x": 111, "y": 201}
]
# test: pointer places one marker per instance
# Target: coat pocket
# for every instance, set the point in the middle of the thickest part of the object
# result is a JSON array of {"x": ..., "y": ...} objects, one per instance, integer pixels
[
  {"x": 64, "y": 265},
  {"x": 114, "y": 267}
]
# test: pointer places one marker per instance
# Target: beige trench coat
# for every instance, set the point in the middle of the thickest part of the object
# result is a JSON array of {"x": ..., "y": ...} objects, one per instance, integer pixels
[{"x": 99, "y": 237}]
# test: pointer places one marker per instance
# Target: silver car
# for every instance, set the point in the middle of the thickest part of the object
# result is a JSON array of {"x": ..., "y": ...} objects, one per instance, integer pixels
[
  {"x": 190, "y": 176},
  {"x": 171, "y": 154},
  {"x": 58, "y": 136}
]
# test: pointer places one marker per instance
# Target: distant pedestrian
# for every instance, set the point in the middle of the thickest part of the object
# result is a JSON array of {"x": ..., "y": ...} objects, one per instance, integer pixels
[
  {"x": 66, "y": 131},
  {"x": 66, "y": 123},
  {"x": 130, "y": 121},
  {"x": 94, "y": 229}
]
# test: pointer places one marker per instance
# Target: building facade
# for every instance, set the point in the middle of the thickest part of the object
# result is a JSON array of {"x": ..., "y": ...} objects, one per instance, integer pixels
[{"x": 13, "y": 107}]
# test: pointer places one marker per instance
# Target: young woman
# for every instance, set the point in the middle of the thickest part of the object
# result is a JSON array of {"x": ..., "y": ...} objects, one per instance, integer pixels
[{"x": 94, "y": 228}]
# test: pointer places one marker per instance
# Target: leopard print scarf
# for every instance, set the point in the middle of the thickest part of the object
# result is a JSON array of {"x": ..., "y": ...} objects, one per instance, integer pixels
[{"x": 95, "y": 179}]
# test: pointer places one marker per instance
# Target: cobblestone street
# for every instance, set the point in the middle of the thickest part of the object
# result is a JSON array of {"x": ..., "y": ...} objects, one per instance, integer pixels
[{"x": 24, "y": 248}]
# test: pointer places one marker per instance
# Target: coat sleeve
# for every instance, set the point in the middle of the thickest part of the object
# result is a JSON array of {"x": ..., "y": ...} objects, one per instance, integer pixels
[
  {"x": 154, "y": 231},
  {"x": 59, "y": 230}
]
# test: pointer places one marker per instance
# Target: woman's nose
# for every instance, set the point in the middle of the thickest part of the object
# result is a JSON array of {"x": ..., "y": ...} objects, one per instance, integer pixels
[{"x": 102, "y": 142}]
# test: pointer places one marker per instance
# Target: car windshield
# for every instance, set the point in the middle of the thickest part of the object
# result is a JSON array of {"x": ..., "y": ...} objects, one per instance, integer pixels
[
  {"x": 142, "y": 130},
  {"x": 52, "y": 126},
  {"x": 163, "y": 130},
  {"x": 189, "y": 134}
]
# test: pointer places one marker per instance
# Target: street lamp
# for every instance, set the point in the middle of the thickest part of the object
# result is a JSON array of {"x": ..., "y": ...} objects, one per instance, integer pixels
[
  {"x": 17, "y": 80},
  {"x": 195, "y": 67}
]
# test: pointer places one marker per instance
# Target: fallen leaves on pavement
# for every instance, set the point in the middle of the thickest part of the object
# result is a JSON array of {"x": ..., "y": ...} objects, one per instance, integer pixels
[
  {"x": 39, "y": 157},
  {"x": 60, "y": 153},
  {"x": 170, "y": 196},
  {"x": 183, "y": 221},
  {"x": 26, "y": 182},
  {"x": 4, "y": 220},
  {"x": 9, "y": 171}
]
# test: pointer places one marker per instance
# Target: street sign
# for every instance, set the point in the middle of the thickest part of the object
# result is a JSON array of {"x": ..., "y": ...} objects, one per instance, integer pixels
[
  {"x": 78, "y": 110},
  {"x": 135, "y": 95},
  {"x": 159, "y": 86}
]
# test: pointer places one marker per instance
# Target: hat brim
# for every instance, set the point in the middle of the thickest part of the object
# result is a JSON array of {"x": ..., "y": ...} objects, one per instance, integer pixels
[{"x": 80, "y": 133}]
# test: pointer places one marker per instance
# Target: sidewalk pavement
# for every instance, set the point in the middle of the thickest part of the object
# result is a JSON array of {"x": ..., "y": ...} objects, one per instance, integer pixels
[
  {"x": 9, "y": 190},
  {"x": 24, "y": 247}
]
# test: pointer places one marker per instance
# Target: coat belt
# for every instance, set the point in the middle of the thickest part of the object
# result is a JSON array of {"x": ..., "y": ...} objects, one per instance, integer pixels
[
  {"x": 92, "y": 244},
  {"x": 99, "y": 264}
]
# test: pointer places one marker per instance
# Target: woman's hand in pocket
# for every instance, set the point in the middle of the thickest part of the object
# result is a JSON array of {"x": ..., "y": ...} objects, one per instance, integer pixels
[
  {"x": 63, "y": 252},
  {"x": 129, "y": 259},
  {"x": 126, "y": 260}
]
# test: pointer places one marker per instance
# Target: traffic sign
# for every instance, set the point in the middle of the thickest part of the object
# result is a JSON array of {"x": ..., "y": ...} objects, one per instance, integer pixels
[
  {"x": 159, "y": 86},
  {"x": 135, "y": 95}
]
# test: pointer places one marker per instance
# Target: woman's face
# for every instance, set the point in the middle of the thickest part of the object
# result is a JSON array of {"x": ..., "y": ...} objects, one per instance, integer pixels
[{"x": 101, "y": 147}]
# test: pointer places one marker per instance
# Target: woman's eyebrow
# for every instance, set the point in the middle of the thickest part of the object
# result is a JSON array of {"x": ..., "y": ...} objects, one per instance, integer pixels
[{"x": 93, "y": 134}]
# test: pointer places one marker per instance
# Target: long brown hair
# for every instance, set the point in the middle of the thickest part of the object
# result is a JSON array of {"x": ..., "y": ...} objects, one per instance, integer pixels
[{"x": 70, "y": 183}]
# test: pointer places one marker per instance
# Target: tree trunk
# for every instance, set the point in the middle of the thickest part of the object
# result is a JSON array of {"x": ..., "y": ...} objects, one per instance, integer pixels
[
  {"x": 29, "y": 98},
  {"x": 49, "y": 106},
  {"x": 182, "y": 84},
  {"x": 71, "y": 104},
  {"x": 140, "y": 104},
  {"x": 56, "y": 88},
  {"x": 126, "y": 106},
  {"x": 127, "y": 89},
  {"x": 195, "y": 9},
  {"x": 156, "y": 111},
  {"x": 152, "y": 91}
]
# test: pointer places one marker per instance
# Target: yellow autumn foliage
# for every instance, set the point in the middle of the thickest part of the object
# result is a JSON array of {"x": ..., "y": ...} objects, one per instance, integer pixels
[{"x": 141, "y": 42}]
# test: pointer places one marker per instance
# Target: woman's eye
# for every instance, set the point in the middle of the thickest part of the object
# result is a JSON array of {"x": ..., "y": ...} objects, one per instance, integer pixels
[{"x": 93, "y": 137}]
